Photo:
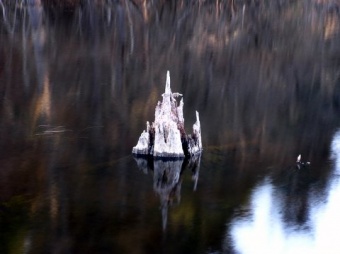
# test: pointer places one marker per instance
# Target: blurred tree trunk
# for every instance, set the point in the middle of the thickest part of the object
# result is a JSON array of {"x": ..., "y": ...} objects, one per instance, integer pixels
[{"x": 33, "y": 2}]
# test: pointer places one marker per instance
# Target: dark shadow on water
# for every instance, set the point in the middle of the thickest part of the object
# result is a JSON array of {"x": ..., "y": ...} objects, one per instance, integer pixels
[{"x": 167, "y": 178}]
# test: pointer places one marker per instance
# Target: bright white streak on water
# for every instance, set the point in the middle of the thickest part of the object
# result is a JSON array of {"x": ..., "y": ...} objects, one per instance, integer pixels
[{"x": 263, "y": 231}]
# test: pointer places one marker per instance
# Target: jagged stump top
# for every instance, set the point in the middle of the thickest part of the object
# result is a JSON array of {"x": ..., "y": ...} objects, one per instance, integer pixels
[{"x": 166, "y": 136}]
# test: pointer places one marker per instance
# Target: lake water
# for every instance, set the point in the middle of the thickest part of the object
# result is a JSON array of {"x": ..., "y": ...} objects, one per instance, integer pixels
[{"x": 77, "y": 87}]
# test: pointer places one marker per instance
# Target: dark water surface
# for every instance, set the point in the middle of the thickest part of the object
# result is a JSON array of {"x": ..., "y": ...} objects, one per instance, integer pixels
[{"x": 76, "y": 89}]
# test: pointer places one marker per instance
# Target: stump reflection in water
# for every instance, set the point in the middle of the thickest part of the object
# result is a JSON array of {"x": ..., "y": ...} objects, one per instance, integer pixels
[{"x": 167, "y": 178}]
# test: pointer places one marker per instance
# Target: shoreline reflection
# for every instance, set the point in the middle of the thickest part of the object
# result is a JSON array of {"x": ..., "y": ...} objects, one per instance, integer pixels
[
  {"x": 167, "y": 178},
  {"x": 267, "y": 228}
]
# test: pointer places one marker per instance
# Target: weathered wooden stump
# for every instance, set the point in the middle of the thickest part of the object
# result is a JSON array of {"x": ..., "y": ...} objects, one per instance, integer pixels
[{"x": 166, "y": 137}]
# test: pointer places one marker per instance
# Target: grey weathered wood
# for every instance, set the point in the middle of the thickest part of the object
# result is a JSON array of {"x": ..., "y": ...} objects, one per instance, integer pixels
[{"x": 166, "y": 137}]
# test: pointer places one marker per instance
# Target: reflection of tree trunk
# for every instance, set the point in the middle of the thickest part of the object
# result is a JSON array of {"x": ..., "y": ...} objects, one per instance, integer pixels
[
  {"x": 3, "y": 11},
  {"x": 146, "y": 28},
  {"x": 145, "y": 11},
  {"x": 117, "y": 60},
  {"x": 239, "y": 126},
  {"x": 33, "y": 2},
  {"x": 25, "y": 73},
  {"x": 38, "y": 32},
  {"x": 132, "y": 39},
  {"x": 232, "y": 8},
  {"x": 43, "y": 103},
  {"x": 42, "y": 107},
  {"x": 217, "y": 7}
]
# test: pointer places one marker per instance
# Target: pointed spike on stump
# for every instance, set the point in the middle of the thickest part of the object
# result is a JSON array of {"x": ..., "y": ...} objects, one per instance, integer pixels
[
  {"x": 167, "y": 85},
  {"x": 197, "y": 116}
]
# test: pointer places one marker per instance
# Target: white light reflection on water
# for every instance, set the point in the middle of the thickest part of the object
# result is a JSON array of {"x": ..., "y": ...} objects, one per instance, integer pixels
[{"x": 264, "y": 230}]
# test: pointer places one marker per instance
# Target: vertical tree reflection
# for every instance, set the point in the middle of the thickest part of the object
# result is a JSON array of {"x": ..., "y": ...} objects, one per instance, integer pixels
[{"x": 78, "y": 82}]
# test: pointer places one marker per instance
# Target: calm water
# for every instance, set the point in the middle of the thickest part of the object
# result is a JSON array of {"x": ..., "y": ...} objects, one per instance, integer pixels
[{"x": 76, "y": 89}]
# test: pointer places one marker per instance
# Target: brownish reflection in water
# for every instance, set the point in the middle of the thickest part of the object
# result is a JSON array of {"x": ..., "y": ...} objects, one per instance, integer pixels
[{"x": 77, "y": 87}]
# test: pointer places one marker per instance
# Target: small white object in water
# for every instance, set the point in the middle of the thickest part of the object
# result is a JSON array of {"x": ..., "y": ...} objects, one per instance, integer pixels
[
  {"x": 299, "y": 163},
  {"x": 298, "y": 158}
]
